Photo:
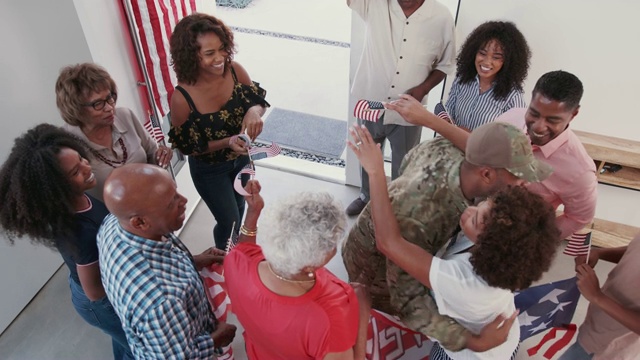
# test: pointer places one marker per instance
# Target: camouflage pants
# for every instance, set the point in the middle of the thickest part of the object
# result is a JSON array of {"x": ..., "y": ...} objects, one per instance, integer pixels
[{"x": 392, "y": 290}]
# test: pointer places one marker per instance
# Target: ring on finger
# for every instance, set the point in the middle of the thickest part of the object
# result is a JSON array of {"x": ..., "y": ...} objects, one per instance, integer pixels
[{"x": 359, "y": 143}]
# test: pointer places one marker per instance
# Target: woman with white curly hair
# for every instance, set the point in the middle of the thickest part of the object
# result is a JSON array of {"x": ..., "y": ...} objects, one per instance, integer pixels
[{"x": 289, "y": 304}]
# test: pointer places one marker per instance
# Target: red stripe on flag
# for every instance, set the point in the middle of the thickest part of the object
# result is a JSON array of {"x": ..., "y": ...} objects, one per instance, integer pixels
[
  {"x": 165, "y": 80},
  {"x": 183, "y": 8},
  {"x": 579, "y": 244},
  {"x": 154, "y": 22},
  {"x": 145, "y": 50},
  {"x": 362, "y": 111}
]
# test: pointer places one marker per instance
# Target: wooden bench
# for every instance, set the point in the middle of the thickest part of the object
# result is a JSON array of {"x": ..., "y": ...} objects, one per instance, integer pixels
[
  {"x": 611, "y": 234},
  {"x": 611, "y": 150}
]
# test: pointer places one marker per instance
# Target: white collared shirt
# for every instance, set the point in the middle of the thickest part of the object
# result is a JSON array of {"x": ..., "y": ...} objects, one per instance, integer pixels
[{"x": 399, "y": 52}]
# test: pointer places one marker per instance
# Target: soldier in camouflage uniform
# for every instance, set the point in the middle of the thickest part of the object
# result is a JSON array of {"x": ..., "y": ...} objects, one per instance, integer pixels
[{"x": 427, "y": 200}]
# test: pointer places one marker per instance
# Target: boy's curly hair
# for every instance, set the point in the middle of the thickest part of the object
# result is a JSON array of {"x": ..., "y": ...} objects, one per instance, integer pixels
[
  {"x": 519, "y": 241},
  {"x": 516, "y": 56}
]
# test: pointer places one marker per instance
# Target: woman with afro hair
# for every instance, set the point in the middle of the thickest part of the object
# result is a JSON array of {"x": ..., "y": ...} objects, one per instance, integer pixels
[
  {"x": 515, "y": 240},
  {"x": 491, "y": 67},
  {"x": 43, "y": 185}
]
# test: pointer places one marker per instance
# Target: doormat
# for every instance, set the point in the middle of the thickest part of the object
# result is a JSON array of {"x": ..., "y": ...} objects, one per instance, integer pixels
[{"x": 305, "y": 132}]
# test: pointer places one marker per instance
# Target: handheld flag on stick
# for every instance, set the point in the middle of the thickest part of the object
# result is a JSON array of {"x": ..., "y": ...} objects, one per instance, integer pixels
[
  {"x": 441, "y": 112},
  {"x": 368, "y": 110},
  {"x": 257, "y": 153},
  {"x": 237, "y": 183},
  {"x": 154, "y": 130},
  {"x": 579, "y": 244}
]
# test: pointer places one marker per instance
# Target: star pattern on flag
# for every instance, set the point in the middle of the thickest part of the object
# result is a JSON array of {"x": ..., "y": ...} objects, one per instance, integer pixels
[
  {"x": 541, "y": 326},
  {"x": 553, "y": 296},
  {"x": 526, "y": 319},
  {"x": 559, "y": 307},
  {"x": 546, "y": 306}
]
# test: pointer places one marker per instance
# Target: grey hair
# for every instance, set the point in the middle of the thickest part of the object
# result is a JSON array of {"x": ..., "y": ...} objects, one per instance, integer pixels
[{"x": 302, "y": 230}]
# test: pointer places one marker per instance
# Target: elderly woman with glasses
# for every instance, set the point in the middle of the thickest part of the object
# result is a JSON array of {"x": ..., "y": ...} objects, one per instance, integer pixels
[
  {"x": 290, "y": 305},
  {"x": 86, "y": 97}
]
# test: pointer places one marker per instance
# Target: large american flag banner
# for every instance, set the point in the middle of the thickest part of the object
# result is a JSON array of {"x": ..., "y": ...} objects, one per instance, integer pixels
[
  {"x": 368, "y": 110},
  {"x": 390, "y": 339},
  {"x": 548, "y": 306},
  {"x": 154, "y": 21},
  {"x": 579, "y": 244},
  {"x": 213, "y": 278}
]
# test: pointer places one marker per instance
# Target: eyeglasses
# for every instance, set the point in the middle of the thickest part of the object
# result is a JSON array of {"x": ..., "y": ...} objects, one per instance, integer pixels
[{"x": 99, "y": 104}]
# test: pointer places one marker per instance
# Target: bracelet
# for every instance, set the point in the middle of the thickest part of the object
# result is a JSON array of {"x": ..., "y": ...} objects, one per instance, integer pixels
[{"x": 247, "y": 232}]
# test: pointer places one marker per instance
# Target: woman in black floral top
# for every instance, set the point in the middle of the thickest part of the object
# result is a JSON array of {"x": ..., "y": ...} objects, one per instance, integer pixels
[{"x": 215, "y": 102}]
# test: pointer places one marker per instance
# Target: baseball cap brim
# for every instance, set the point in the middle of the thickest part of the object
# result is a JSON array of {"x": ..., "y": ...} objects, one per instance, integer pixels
[{"x": 535, "y": 171}]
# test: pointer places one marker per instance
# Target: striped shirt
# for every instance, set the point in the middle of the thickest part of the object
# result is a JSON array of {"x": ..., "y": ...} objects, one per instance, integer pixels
[
  {"x": 157, "y": 293},
  {"x": 470, "y": 109}
]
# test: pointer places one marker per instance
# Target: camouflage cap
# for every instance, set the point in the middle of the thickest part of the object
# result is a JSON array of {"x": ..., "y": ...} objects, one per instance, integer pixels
[{"x": 504, "y": 146}]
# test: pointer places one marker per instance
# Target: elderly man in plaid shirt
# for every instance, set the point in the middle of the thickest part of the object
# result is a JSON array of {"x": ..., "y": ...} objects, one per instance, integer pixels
[{"x": 149, "y": 275}]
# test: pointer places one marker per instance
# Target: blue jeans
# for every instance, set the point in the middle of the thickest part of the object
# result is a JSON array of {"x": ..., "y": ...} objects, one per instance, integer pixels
[
  {"x": 214, "y": 183},
  {"x": 100, "y": 314},
  {"x": 575, "y": 352}
]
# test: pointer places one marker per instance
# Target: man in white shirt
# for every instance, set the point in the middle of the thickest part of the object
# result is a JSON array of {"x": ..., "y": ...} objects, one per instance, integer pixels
[{"x": 409, "y": 48}]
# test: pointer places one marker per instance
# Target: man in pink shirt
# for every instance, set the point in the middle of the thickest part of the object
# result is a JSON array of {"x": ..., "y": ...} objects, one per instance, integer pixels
[{"x": 555, "y": 102}]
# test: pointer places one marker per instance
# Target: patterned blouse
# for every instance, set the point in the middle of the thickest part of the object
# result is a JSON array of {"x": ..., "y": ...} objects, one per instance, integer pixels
[{"x": 194, "y": 135}]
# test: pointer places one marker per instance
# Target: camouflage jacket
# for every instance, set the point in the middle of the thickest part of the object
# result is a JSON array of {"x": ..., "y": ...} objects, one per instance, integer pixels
[{"x": 427, "y": 202}]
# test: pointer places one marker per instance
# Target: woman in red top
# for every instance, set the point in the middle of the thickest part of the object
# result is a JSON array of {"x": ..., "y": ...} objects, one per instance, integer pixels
[{"x": 289, "y": 304}]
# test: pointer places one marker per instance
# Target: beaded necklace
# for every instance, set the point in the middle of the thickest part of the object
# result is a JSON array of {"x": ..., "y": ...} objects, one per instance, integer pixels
[{"x": 113, "y": 163}]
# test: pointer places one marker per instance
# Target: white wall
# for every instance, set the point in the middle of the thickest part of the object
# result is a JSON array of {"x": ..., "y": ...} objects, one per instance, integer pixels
[{"x": 38, "y": 38}]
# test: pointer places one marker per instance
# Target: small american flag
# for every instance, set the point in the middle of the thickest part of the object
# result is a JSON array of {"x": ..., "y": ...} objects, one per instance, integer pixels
[
  {"x": 237, "y": 183},
  {"x": 441, "y": 112},
  {"x": 579, "y": 244},
  {"x": 368, "y": 110},
  {"x": 257, "y": 153},
  {"x": 155, "y": 131}
]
